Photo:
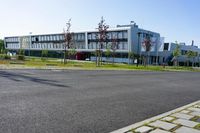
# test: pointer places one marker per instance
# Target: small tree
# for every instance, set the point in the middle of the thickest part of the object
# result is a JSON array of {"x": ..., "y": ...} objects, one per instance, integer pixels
[
  {"x": 194, "y": 54},
  {"x": 2, "y": 47},
  {"x": 72, "y": 53},
  {"x": 114, "y": 47},
  {"x": 101, "y": 38},
  {"x": 131, "y": 55},
  {"x": 68, "y": 40},
  {"x": 20, "y": 55},
  {"x": 147, "y": 45},
  {"x": 189, "y": 55},
  {"x": 44, "y": 54},
  {"x": 176, "y": 53},
  {"x": 107, "y": 53}
]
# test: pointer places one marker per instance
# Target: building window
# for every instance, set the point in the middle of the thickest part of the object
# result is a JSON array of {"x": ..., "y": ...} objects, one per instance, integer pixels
[
  {"x": 120, "y": 46},
  {"x": 114, "y": 35},
  {"x": 120, "y": 35},
  {"x": 166, "y": 46},
  {"x": 125, "y": 34},
  {"x": 126, "y": 46},
  {"x": 89, "y": 36}
]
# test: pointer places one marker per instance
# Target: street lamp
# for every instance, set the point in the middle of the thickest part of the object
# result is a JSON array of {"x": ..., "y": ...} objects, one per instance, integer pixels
[{"x": 138, "y": 47}]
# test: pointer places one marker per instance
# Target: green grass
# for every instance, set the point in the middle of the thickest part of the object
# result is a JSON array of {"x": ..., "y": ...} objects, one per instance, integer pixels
[
  {"x": 36, "y": 62},
  {"x": 197, "y": 127}
]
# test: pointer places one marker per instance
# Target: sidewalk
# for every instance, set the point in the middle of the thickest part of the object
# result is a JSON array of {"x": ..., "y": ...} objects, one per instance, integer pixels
[{"x": 185, "y": 119}]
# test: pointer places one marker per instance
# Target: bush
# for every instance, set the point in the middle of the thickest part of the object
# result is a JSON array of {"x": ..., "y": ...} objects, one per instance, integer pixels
[
  {"x": 43, "y": 59},
  {"x": 20, "y": 57},
  {"x": 5, "y": 56}
]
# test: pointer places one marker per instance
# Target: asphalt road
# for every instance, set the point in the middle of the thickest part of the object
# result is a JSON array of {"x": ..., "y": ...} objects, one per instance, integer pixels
[{"x": 71, "y": 101}]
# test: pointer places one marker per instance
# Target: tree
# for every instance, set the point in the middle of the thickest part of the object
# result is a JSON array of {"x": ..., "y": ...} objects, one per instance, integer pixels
[
  {"x": 21, "y": 54},
  {"x": 176, "y": 53},
  {"x": 44, "y": 53},
  {"x": 114, "y": 47},
  {"x": 68, "y": 39},
  {"x": 107, "y": 53},
  {"x": 147, "y": 45},
  {"x": 131, "y": 55},
  {"x": 101, "y": 38},
  {"x": 189, "y": 55},
  {"x": 2, "y": 47},
  {"x": 72, "y": 52}
]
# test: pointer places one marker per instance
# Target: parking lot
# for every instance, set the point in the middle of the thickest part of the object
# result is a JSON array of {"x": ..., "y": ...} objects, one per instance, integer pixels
[{"x": 75, "y": 101}]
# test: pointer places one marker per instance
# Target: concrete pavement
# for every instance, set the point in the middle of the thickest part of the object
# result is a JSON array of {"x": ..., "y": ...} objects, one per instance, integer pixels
[{"x": 185, "y": 119}]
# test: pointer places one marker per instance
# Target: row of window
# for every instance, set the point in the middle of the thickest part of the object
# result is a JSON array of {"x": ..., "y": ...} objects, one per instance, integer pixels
[
  {"x": 110, "y": 35},
  {"x": 60, "y": 37},
  {"x": 47, "y": 38},
  {"x": 13, "y": 45},
  {"x": 120, "y": 46},
  {"x": 56, "y": 37},
  {"x": 12, "y": 39},
  {"x": 55, "y": 46}
]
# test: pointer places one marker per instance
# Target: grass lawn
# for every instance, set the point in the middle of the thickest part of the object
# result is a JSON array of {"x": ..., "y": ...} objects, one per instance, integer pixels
[{"x": 57, "y": 63}]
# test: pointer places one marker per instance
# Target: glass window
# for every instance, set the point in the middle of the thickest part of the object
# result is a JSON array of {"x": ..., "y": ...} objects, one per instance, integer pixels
[
  {"x": 51, "y": 38},
  {"x": 48, "y": 38},
  {"x": 120, "y": 46},
  {"x": 125, "y": 35},
  {"x": 93, "y": 36},
  {"x": 120, "y": 35},
  {"x": 126, "y": 46},
  {"x": 114, "y": 35},
  {"x": 109, "y": 35},
  {"x": 57, "y": 37},
  {"x": 89, "y": 36}
]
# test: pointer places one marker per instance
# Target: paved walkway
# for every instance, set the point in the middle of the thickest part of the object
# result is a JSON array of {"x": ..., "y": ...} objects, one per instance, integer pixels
[{"x": 185, "y": 119}]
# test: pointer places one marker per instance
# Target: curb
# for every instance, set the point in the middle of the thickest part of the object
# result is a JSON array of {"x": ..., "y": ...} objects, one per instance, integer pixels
[{"x": 125, "y": 129}]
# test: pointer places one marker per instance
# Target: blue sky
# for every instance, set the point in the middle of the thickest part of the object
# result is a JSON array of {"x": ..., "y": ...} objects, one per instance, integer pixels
[{"x": 174, "y": 19}]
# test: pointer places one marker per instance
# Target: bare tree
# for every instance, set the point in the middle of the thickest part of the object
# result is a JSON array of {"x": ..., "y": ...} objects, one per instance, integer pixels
[
  {"x": 147, "y": 45},
  {"x": 101, "y": 38},
  {"x": 68, "y": 39},
  {"x": 114, "y": 46}
]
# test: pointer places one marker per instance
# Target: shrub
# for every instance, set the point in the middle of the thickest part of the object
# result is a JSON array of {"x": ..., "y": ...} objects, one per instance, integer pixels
[
  {"x": 20, "y": 57},
  {"x": 43, "y": 58},
  {"x": 5, "y": 56}
]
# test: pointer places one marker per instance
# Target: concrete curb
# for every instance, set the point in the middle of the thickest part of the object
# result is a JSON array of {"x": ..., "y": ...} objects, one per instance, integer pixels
[{"x": 125, "y": 129}]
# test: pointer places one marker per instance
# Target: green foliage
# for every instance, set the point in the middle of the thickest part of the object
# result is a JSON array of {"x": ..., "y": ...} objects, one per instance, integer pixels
[
  {"x": 190, "y": 54},
  {"x": 108, "y": 52},
  {"x": 131, "y": 55},
  {"x": 5, "y": 56},
  {"x": 176, "y": 51},
  {"x": 45, "y": 53},
  {"x": 20, "y": 57},
  {"x": 21, "y": 52},
  {"x": 72, "y": 52},
  {"x": 2, "y": 47}
]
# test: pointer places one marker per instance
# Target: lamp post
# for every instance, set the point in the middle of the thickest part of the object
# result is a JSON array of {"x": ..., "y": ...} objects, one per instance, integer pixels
[{"x": 138, "y": 48}]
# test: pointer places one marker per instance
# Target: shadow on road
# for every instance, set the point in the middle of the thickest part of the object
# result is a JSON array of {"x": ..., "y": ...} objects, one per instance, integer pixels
[{"x": 22, "y": 77}]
